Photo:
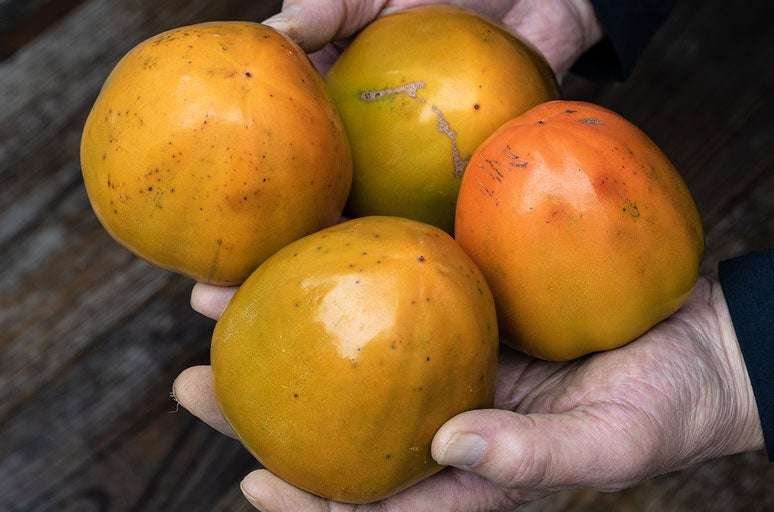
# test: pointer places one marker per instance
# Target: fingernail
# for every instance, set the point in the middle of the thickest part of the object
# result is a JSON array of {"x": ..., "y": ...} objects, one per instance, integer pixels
[
  {"x": 278, "y": 22},
  {"x": 245, "y": 486},
  {"x": 390, "y": 10},
  {"x": 463, "y": 449},
  {"x": 283, "y": 20}
]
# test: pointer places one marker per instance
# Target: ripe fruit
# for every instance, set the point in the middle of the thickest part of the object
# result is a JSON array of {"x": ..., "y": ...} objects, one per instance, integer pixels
[
  {"x": 342, "y": 354},
  {"x": 212, "y": 146},
  {"x": 583, "y": 228},
  {"x": 418, "y": 92}
]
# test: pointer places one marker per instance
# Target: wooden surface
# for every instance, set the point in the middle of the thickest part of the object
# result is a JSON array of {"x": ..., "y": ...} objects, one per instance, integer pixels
[{"x": 91, "y": 337}]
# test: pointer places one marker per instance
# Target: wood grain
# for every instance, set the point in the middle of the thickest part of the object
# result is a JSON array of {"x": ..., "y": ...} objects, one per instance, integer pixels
[{"x": 91, "y": 337}]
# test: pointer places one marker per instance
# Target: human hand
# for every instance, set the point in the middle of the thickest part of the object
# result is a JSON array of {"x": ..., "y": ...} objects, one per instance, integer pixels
[
  {"x": 560, "y": 29},
  {"x": 677, "y": 396}
]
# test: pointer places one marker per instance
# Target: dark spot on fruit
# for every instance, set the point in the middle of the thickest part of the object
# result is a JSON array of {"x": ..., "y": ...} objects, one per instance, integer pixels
[
  {"x": 570, "y": 111},
  {"x": 357, "y": 281},
  {"x": 427, "y": 359},
  {"x": 541, "y": 122},
  {"x": 295, "y": 395},
  {"x": 421, "y": 259},
  {"x": 248, "y": 74},
  {"x": 632, "y": 209},
  {"x": 388, "y": 456},
  {"x": 476, "y": 106},
  {"x": 150, "y": 189},
  {"x": 364, "y": 253},
  {"x": 590, "y": 120}
]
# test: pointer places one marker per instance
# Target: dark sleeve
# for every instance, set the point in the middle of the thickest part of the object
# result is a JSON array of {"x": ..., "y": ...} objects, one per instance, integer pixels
[
  {"x": 627, "y": 25},
  {"x": 748, "y": 284}
]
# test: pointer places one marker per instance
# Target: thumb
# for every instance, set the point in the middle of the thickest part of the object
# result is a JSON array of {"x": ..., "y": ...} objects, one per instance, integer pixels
[
  {"x": 539, "y": 451},
  {"x": 314, "y": 23}
]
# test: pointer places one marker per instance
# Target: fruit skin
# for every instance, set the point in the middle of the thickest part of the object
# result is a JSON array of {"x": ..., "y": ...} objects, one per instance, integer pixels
[
  {"x": 584, "y": 229},
  {"x": 211, "y": 146},
  {"x": 340, "y": 357},
  {"x": 448, "y": 78}
]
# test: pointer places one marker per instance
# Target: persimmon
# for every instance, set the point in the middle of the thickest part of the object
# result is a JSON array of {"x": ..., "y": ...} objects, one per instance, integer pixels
[
  {"x": 583, "y": 227},
  {"x": 342, "y": 354},
  {"x": 212, "y": 146}
]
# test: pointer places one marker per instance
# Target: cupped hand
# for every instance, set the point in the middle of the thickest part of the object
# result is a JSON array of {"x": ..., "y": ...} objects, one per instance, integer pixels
[
  {"x": 677, "y": 396},
  {"x": 560, "y": 29}
]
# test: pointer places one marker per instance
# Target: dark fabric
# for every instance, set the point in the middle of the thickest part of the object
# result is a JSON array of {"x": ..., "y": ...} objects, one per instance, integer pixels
[
  {"x": 748, "y": 284},
  {"x": 628, "y": 25}
]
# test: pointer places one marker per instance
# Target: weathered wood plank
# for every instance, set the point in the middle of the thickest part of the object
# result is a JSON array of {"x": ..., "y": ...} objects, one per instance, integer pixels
[{"x": 23, "y": 20}]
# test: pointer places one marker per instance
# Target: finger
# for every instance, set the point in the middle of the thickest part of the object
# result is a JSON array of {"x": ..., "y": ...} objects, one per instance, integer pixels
[
  {"x": 540, "y": 451},
  {"x": 271, "y": 494},
  {"x": 451, "y": 490},
  {"x": 324, "y": 58},
  {"x": 493, "y": 8},
  {"x": 211, "y": 300},
  {"x": 193, "y": 389},
  {"x": 520, "y": 375},
  {"x": 314, "y": 23}
]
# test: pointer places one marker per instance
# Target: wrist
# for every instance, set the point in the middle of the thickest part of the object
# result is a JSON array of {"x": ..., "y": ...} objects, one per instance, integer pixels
[{"x": 745, "y": 432}]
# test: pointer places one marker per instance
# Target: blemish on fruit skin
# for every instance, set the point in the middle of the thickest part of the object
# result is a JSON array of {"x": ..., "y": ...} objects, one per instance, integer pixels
[
  {"x": 590, "y": 120},
  {"x": 498, "y": 176},
  {"x": 409, "y": 89},
  {"x": 631, "y": 208},
  {"x": 421, "y": 258},
  {"x": 214, "y": 265},
  {"x": 445, "y": 128}
]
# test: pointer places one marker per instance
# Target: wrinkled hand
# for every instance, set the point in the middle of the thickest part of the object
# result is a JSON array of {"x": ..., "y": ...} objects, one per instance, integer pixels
[
  {"x": 677, "y": 396},
  {"x": 560, "y": 29}
]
